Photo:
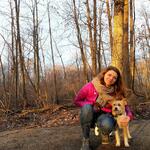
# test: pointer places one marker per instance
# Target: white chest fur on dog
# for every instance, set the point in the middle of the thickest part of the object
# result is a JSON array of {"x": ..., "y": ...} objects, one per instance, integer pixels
[{"x": 118, "y": 111}]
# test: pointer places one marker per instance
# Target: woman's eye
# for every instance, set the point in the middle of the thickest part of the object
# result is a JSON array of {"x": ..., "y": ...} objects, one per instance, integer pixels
[{"x": 115, "y": 78}]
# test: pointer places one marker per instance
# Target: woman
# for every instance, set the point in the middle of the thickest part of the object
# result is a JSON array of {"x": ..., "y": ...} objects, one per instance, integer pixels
[{"x": 102, "y": 89}]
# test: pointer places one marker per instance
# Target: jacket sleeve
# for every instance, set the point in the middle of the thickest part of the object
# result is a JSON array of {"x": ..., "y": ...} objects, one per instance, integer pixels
[
  {"x": 129, "y": 112},
  {"x": 80, "y": 98}
]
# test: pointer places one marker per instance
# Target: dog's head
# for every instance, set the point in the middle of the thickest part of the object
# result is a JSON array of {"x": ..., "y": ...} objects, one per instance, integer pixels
[{"x": 118, "y": 107}]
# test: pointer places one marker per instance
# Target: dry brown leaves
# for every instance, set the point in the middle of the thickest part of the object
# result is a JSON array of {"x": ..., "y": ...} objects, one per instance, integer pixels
[
  {"x": 55, "y": 115},
  {"x": 142, "y": 111}
]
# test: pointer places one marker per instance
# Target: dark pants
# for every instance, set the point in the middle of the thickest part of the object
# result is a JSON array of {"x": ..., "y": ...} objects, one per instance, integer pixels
[{"x": 88, "y": 118}]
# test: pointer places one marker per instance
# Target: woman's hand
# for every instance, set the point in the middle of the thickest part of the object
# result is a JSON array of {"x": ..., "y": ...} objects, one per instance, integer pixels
[{"x": 97, "y": 107}]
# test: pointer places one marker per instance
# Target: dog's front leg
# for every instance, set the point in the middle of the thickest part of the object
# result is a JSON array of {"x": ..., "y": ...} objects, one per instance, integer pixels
[
  {"x": 117, "y": 138},
  {"x": 125, "y": 134}
]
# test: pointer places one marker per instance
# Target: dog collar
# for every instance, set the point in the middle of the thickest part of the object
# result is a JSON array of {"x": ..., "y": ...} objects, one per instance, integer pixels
[{"x": 117, "y": 116}]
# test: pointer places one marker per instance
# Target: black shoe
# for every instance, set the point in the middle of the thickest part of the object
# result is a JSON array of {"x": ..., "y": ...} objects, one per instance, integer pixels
[{"x": 85, "y": 144}]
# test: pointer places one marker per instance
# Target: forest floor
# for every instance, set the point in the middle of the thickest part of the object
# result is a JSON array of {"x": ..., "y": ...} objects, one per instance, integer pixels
[{"x": 57, "y": 127}]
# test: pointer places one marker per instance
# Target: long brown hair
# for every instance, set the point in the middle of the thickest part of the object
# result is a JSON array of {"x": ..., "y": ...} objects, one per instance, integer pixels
[{"x": 118, "y": 85}]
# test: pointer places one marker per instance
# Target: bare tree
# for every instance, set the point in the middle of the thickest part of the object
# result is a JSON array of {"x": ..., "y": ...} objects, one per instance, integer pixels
[
  {"x": 95, "y": 33},
  {"x": 63, "y": 65},
  {"x": 53, "y": 60},
  {"x": 36, "y": 46},
  {"x": 4, "y": 86},
  {"x": 14, "y": 58},
  {"x": 132, "y": 44},
  {"x": 19, "y": 47},
  {"x": 100, "y": 50},
  {"x": 79, "y": 37},
  {"x": 89, "y": 24},
  {"x": 110, "y": 24}
]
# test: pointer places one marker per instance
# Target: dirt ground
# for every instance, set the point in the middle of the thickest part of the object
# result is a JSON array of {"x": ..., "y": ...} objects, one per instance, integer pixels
[
  {"x": 60, "y": 130},
  {"x": 69, "y": 138}
]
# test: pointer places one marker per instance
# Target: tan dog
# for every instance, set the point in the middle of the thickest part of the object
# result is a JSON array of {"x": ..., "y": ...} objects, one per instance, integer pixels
[{"x": 118, "y": 111}]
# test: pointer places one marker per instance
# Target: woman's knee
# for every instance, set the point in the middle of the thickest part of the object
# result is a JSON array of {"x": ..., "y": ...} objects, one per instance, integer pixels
[
  {"x": 106, "y": 123},
  {"x": 86, "y": 114}
]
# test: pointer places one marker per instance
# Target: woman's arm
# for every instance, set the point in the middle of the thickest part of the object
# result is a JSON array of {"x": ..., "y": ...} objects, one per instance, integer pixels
[
  {"x": 129, "y": 112},
  {"x": 80, "y": 98}
]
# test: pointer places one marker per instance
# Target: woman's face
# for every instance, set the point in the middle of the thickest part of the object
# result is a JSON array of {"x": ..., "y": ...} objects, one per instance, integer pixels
[{"x": 110, "y": 78}]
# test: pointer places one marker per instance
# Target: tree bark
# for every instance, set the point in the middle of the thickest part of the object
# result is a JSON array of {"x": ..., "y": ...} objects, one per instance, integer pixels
[
  {"x": 132, "y": 43},
  {"x": 126, "y": 65},
  {"x": 95, "y": 35},
  {"x": 117, "y": 51}
]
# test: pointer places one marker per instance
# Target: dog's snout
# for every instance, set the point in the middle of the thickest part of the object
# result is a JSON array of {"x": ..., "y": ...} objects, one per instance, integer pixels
[{"x": 116, "y": 109}]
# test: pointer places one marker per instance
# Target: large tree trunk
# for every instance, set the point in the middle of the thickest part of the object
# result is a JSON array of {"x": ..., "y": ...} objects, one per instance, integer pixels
[
  {"x": 132, "y": 45},
  {"x": 126, "y": 65},
  {"x": 120, "y": 51},
  {"x": 117, "y": 51}
]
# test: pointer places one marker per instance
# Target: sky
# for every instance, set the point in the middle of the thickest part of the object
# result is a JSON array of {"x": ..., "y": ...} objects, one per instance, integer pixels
[{"x": 59, "y": 28}]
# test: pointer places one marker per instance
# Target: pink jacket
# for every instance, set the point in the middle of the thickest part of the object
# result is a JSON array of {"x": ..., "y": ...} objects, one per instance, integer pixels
[{"x": 88, "y": 95}]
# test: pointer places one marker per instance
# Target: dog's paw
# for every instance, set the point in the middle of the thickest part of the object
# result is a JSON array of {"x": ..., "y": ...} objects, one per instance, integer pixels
[
  {"x": 117, "y": 144},
  {"x": 127, "y": 145},
  {"x": 130, "y": 137}
]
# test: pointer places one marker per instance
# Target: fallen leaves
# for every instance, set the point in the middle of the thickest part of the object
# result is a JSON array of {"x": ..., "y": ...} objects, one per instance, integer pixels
[
  {"x": 52, "y": 116},
  {"x": 55, "y": 115},
  {"x": 142, "y": 111}
]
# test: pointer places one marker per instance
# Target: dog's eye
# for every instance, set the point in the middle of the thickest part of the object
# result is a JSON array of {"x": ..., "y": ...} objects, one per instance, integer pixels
[{"x": 119, "y": 104}]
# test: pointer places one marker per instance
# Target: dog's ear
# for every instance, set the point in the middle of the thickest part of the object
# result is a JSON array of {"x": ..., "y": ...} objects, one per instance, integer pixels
[
  {"x": 112, "y": 101},
  {"x": 124, "y": 101}
]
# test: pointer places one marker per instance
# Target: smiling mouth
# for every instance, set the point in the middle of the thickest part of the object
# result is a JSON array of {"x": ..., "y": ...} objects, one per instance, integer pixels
[
  {"x": 117, "y": 111},
  {"x": 110, "y": 82}
]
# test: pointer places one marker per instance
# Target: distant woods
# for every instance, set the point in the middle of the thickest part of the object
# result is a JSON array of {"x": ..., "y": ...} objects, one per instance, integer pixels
[{"x": 100, "y": 32}]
